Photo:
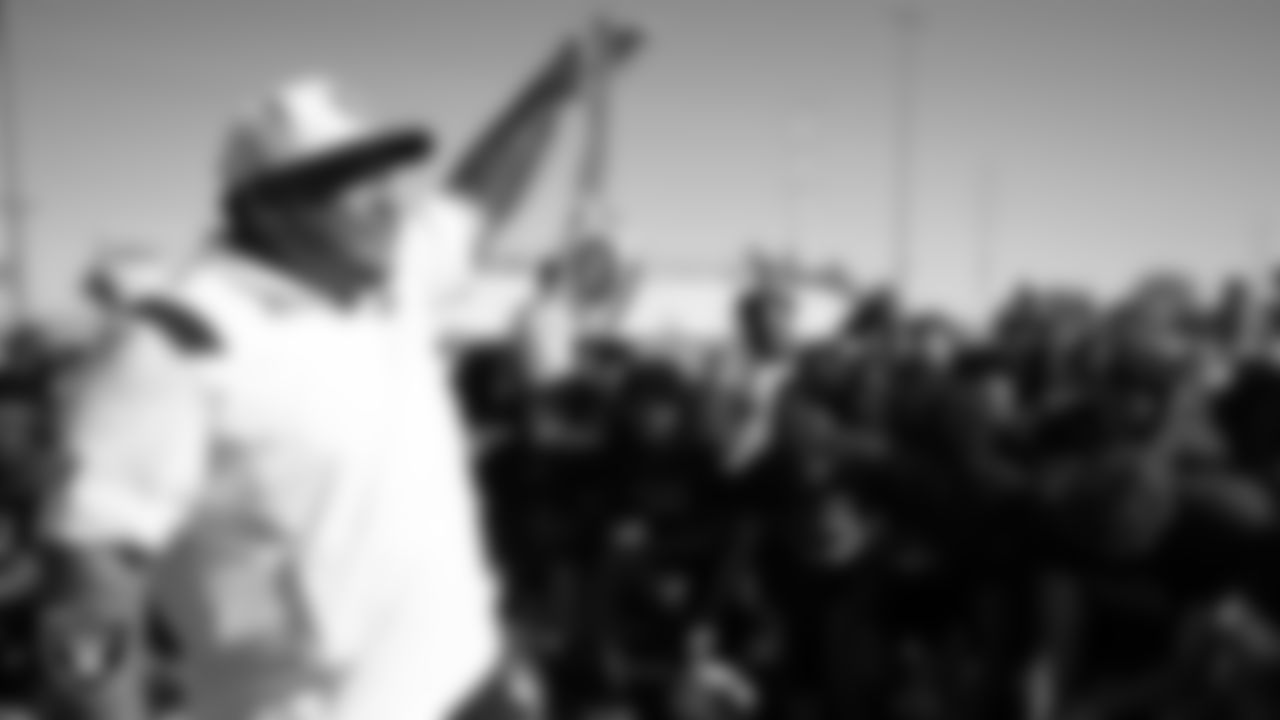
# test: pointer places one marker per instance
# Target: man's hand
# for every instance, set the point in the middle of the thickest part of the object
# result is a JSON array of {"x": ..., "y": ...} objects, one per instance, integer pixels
[
  {"x": 497, "y": 169},
  {"x": 569, "y": 73},
  {"x": 616, "y": 43}
]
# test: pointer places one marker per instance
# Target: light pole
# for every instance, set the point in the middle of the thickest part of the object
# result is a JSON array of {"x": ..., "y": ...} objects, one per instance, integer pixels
[
  {"x": 594, "y": 213},
  {"x": 793, "y": 185},
  {"x": 989, "y": 203},
  {"x": 1263, "y": 244},
  {"x": 15, "y": 224},
  {"x": 907, "y": 22}
]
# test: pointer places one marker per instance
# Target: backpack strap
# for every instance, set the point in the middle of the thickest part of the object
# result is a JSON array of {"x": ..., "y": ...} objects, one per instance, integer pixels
[
  {"x": 186, "y": 327},
  {"x": 206, "y": 309}
]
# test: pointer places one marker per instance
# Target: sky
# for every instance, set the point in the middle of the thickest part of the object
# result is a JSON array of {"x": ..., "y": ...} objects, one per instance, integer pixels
[{"x": 1078, "y": 141}]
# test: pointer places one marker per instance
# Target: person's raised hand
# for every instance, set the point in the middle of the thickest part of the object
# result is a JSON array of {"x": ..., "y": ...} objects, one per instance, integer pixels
[{"x": 615, "y": 43}]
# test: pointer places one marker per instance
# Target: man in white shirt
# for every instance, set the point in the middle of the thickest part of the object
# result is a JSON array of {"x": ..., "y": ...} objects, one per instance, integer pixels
[
  {"x": 582, "y": 298},
  {"x": 270, "y": 444}
]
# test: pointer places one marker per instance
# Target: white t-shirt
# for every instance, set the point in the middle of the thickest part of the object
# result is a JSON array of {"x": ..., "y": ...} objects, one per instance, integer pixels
[
  {"x": 554, "y": 327},
  {"x": 309, "y": 484},
  {"x": 550, "y": 335}
]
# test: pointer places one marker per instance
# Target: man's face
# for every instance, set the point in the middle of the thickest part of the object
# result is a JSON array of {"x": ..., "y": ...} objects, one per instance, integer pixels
[{"x": 356, "y": 224}]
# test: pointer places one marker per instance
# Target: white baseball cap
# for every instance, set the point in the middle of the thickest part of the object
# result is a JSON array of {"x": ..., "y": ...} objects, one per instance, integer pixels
[{"x": 307, "y": 132}]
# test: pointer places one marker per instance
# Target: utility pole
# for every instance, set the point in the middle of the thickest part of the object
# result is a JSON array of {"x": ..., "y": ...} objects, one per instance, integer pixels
[
  {"x": 594, "y": 213},
  {"x": 792, "y": 186},
  {"x": 1263, "y": 244},
  {"x": 987, "y": 238},
  {"x": 11, "y": 171},
  {"x": 907, "y": 23}
]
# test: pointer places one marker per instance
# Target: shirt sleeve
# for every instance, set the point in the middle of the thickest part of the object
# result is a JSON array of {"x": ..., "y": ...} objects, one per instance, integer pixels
[
  {"x": 137, "y": 427},
  {"x": 438, "y": 250}
]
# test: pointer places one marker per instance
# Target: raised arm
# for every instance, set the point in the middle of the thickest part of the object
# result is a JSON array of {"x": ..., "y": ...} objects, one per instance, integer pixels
[
  {"x": 495, "y": 172},
  {"x": 453, "y": 230}
]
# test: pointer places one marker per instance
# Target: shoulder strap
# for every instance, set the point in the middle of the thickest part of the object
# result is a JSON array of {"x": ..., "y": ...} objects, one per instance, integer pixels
[
  {"x": 183, "y": 325},
  {"x": 199, "y": 310}
]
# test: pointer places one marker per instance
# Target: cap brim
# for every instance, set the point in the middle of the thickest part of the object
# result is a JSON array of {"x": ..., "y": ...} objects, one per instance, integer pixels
[{"x": 386, "y": 151}]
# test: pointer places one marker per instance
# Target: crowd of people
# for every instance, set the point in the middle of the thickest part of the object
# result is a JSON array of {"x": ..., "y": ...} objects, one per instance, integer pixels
[{"x": 1071, "y": 514}]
